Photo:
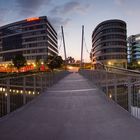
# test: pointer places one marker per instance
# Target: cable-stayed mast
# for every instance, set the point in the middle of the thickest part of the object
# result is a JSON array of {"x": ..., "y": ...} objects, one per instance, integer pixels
[
  {"x": 82, "y": 46},
  {"x": 64, "y": 46}
]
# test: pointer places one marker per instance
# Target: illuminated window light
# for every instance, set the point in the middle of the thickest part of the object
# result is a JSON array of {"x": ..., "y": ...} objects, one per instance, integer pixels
[
  {"x": 10, "y": 90},
  {"x": 32, "y": 19},
  {"x": 13, "y": 90},
  {"x": 38, "y": 93},
  {"x": 6, "y": 94},
  {"x": 17, "y": 91},
  {"x": 21, "y": 91},
  {"x": 33, "y": 92}
]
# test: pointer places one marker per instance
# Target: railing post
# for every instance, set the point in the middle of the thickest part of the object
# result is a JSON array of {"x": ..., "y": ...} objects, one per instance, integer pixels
[
  {"x": 24, "y": 90},
  {"x": 106, "y": 81},
  {"x": 115, "y": 87},
  {"x": 91, "y": 75},
  {"x": 129, "y": 94},
  {"x": 34, "y": 84},
  {"x": 45, "y": 79},
  {"x": 49, "y": 79},
  {"x": 8, "y": 95},
  {"x": 41, "y": 85}
]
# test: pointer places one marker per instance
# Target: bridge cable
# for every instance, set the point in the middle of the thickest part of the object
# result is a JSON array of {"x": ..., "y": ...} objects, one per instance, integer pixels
[{"x": 86, "y": 46}]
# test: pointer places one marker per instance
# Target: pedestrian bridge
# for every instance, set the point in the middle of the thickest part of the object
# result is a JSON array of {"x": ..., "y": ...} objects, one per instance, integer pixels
[{"x": 72, "y": 109}]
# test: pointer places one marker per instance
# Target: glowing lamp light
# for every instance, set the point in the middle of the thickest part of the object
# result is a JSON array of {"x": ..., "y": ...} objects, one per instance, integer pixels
[
  {"x": 29, "y": 92},
  {"x": 4, "y": 89},
  {"x": 1, "y": 89},
  {"x": 110, "y": 96},
  {"x": 6, "y": 94},
  {"x": 139, "y": 62},
  {"x": 109, "y": 63},
  {"x": 34, "y": 64},
  {"x": 32, "y": 19}
]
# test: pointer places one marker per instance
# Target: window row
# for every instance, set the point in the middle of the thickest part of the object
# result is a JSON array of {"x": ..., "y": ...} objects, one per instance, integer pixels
[
  {"x": 111, "y": 24},
  {"x": 53, "y": 48},
  {"x": 35, "y": 39},
  {"x": 105, "y": 31},
  {"x": 31, "y": 45},
  {"x": 34, "y": 27},
  {"x": 35, "y": 51},
  {"x": 106, "y": 57},
  {"x": 36, "y": 57},
  {"x": 34, "y": 33},
  {"x": 109, "y": 43},
  {"x": 113, "y": 36},
  {"x": 111, "y": 50}
]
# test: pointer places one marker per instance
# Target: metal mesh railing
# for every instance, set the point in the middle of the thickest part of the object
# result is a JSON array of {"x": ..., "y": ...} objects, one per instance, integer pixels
[
  {"x": 122, "y": 86},
  {"x": 19, "y": 90}
]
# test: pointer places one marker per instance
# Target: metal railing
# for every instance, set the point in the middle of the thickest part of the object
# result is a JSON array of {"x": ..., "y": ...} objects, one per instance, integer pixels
[
  {"x": 18, "y": 90},
  {"x": 120, "y": 85}
]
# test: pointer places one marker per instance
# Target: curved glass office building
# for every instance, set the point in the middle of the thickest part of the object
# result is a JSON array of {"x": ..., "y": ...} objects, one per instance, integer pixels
[
  {"x": 134, "y": 48},
  {"x": 109, "y": 45}
]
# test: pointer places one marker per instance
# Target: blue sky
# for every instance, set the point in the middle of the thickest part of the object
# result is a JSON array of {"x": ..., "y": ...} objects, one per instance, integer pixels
[{"x": 72, "y": 14}]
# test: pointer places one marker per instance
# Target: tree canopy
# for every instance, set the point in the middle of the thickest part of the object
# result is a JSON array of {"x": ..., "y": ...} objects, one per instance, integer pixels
[
  {"x": 55, "y": 62},
  {"x": 19, "y": 61},
  {"x": 70, "y": 60}
]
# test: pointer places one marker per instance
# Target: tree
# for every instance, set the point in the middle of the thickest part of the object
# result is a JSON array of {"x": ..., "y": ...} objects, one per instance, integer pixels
[
  {"x": 70, "y": 60},
  {"x": 38, "y": 63},
  {"x": 19, "y": 61},
  {"x": 55, "y": 62}
]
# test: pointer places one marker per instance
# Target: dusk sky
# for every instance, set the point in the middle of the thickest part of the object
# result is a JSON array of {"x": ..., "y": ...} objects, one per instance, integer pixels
[{"x": 72, "y": 14}]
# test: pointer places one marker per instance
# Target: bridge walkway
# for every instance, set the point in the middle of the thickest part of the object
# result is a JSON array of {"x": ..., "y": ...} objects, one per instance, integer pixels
[{"x": 73, "y": 109}]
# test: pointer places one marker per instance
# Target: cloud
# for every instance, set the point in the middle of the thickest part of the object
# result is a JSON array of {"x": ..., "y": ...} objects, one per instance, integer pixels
[
  {"x": 58, "y": 21},
  {"x": 70, "y": 7},
  {"x": 120, "y": 2},
  {"x": 30, "y": 7},
  {"x": 3, "y": 13}
]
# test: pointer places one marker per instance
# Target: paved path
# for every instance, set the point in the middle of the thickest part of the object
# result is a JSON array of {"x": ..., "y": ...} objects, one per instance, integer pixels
[{"x": 71, "y": 110}]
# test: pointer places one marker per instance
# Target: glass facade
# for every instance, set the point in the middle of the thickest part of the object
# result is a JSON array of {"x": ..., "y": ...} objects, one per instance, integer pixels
[
  {"x": 109, "y": 43},
  {"x": 34, "y": 38},
  {"x": 134, "y": 48}
]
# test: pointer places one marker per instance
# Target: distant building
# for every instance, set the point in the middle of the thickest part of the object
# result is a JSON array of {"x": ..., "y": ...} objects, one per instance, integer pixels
[
  {"x": 134, "y": 48},
  {"x": 35, "y": 38},
  {"x": 109, "y": 45}
]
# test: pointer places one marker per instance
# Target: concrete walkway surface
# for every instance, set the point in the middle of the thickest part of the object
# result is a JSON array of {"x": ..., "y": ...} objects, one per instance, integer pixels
[{"x": 73, "y": 109}]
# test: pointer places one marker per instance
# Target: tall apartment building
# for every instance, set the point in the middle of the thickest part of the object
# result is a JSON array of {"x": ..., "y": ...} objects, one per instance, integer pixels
[
  {"x": 109, "y": 45},
  {"x": 134, "y": 48},
  {"x": 34, "y": 38}
]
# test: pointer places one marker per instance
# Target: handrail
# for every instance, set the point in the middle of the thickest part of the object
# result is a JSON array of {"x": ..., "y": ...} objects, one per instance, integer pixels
[{"x": 123, "y": 87}]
